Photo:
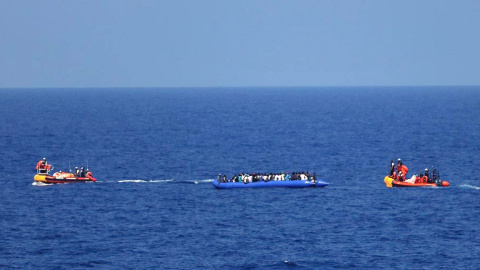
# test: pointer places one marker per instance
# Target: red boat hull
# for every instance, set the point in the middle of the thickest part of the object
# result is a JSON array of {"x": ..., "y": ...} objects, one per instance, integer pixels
[
  {"x": 48, "y": 179},
  {"x": 389, "y": 182}
]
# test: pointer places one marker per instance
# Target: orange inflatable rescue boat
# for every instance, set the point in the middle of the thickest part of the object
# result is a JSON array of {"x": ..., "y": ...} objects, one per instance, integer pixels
[
  {"x": 390, "y": 182},
  {"x": 416, "y": 181},
  {"x": 61, "y": 178},
  {"x": 43, "y": 175}
]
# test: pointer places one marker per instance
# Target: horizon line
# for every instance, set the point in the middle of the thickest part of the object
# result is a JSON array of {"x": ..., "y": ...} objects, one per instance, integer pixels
[{"x": 231, "y": 87}]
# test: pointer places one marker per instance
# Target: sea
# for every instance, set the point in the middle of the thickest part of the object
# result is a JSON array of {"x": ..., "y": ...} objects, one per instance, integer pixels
[{"x": 156, "y": 151}]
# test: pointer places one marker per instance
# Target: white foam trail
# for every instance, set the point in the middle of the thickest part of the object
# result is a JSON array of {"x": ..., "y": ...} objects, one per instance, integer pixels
[
  {"x": 194, "y": 181},
  {"x": 204, "y": 181},
  {"x": 145, "y": 181},
  {"x": 470, "y": 186},
  {"x": 40, "y": 184},
  {"x": 132, "y": 181},
  {"x": 161, "y": 181}
]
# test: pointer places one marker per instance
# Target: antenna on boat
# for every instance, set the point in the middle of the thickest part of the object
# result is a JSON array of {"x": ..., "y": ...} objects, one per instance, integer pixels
[
  {"x": 69, "y": 167},
  {"x": 87, "y": 164}
]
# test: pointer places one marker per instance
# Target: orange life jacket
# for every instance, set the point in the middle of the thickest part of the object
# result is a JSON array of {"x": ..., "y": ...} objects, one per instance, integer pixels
[
  {"x": 404, "y": 169},
  {"x": 424, "y": 179},
  {"x": 42, "y": 166},
  {"x": 39, "y": 165}
]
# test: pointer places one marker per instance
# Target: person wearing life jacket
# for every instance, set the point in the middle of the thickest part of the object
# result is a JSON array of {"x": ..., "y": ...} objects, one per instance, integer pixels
[
  {"x": 89, "y": 174},
  {"x": 40, "y": 163},
  {"x": 419, "y": 177},
  {"x": 401, "y": 170},
  {"x": 426, "y": 177},
  {"x": 42, "y": 166}
]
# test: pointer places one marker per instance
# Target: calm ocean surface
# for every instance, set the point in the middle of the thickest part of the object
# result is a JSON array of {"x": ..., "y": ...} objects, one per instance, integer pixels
[{"x": 156, "y": 151}]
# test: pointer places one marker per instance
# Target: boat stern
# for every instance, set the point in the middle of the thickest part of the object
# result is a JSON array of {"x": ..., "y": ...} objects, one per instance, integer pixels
[{"x": 388, "y": 181}]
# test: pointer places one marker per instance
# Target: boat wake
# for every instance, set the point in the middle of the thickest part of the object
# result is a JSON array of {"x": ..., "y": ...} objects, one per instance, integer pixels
[
  {"x": 41, "y": 184},
  {"x": 161, "y": 181},
  {"x": 145, "y": 181},
  {"x": 204, "y": 181},
  {"x": 469, "y": 186},
  {"x": 196, "y": 182}
]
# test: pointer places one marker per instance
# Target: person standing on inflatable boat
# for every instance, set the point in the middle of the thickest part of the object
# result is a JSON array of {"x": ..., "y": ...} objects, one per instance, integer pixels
[
  {"x": 392, "y": 169},
  {"x": 426, "y": 177},
  {"x": 89, "y": 174},
  {"x": 401, "y": 170},
  {"x": 42, "y": 166}
]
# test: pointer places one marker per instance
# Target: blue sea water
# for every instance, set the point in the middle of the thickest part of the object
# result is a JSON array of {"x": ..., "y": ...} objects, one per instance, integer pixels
[{"x": 156, "y": 151}]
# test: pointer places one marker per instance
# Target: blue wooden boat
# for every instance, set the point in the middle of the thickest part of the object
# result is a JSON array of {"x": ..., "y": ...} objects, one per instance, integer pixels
[{"x": 272, "y": 183}]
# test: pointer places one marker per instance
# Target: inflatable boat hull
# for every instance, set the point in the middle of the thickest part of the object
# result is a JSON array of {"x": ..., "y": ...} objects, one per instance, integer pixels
[
  {"x": 49, "y": 179},
  {"x": 390, "y": 182},
  {"x": 261, "y": 184}
]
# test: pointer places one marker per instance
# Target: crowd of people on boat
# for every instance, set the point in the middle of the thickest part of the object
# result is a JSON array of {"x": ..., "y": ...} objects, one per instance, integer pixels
[
  {"x": 43, "y": 167},
  {"x": 82, "y": 172},
  {"x": 400, "y": 172},
  {"x": 256, "y": 177}
]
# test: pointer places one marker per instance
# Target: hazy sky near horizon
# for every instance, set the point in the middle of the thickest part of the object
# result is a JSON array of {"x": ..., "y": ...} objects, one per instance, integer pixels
[{"x": 138, "y": 43}]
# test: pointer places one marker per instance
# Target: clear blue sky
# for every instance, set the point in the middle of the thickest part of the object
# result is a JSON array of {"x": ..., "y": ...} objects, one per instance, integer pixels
[{"x": 137, "y": 43}]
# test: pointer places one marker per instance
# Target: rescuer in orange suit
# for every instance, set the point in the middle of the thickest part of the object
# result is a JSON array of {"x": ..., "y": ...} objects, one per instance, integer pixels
[
  {"x": 401, "y": 170},
  {"x": 89, "y": 174},
  {"x": 42, "y": 166}
]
